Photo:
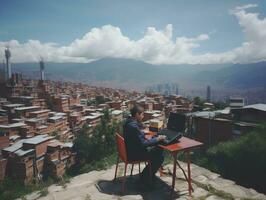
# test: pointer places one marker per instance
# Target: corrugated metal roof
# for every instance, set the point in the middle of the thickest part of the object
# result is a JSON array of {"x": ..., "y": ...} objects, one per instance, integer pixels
[
  {"x": 55, "y": 143},
  {"x": 246, "y": 124},
  {"x": 258, "y": 106},
  {"x": 117, "y": 112},
  {"x": 209, "y": 113},
  {"x": 204, "y": 114},
  {"x": 55, "y": 118},
  {"x": 68, "y": 144},
  {"x": 21, "y": 152},
  {"x": 38, "y": 139},
  {"x": 26, "y": 97},
  {"x": 59, "y": 114},
  {"x": 14, "y": 137},
  {"x": 15, "y": 146},
  {"x": 225, "y": 111},
  {"x": 41, "y": 127},
  {"x": 34, "y": 120},
  {"x": 40, "y": 111},
  {"x": 27, "y": 107},
  {"x": 96, "y": 114},
  {"x": 13, "y": 105},
  {"x": 89, "y": 117},
  {"x": 14, "y": 125}
]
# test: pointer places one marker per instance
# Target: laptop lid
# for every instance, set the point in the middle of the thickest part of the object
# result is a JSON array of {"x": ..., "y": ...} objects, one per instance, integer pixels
[{"x": 176, "y": 122}]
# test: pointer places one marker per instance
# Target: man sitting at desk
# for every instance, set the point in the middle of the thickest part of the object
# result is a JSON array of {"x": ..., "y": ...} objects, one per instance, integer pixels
[{"x": 139, "y": 147}]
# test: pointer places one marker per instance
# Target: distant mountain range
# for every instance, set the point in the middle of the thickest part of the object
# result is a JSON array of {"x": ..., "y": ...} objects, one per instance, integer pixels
[
  {"x": 133, "y": 74},
  {"x": 239, "y": 75}
]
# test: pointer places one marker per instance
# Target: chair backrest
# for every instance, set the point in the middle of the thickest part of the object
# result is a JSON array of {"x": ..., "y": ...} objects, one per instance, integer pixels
[{"x": 121, "y": 147}]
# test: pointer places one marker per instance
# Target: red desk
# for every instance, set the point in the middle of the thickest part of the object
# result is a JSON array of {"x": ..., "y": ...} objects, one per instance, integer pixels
[{"x": 184, "y": 144}]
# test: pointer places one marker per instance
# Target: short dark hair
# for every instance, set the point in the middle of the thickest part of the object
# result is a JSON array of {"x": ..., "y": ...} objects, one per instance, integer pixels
[{"x": 136, "y": 109}]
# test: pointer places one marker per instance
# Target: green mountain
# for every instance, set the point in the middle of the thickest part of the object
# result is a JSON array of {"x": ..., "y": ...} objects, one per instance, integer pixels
[
  {"x": 239, "y": 76},
  {"x": 124, "y": 73},
  {"x": 133, "y": 74}
]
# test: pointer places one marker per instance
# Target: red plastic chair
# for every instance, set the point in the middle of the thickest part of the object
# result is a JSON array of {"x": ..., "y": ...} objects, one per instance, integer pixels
[{"x": 122, "y": 155}]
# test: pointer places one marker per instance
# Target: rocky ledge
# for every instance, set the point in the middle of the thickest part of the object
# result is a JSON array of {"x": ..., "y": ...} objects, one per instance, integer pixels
[{"x": 100, "y": 185}]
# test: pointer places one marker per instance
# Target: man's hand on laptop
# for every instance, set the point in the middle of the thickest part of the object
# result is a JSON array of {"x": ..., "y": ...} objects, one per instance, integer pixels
[{"x": 161, "y": 138}]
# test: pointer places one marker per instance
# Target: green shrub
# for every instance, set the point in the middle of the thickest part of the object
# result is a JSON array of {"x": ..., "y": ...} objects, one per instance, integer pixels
[
  {"x": 95, "y": 147},
  {"x": 242, "y": 160}
]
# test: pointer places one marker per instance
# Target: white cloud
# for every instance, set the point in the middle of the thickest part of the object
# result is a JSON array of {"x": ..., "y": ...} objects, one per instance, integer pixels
[
  {"x": 156, "y": 46},
  {"x": 254, "y": 47},
  {"x": 244, "y": 7}
]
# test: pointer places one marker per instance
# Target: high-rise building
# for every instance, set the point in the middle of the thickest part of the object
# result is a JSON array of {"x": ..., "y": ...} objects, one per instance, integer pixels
[
  {"x": 2, "y": 71},
  {"x": 42, "y": 69},
  {"x": 176, "y": 90},
  {"x": 208, "y": 96},
  {"x": 8, "y": 65}
]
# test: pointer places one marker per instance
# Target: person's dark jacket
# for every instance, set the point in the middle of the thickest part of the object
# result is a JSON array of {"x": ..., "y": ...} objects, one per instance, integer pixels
[{"x": 136, "y": 143}]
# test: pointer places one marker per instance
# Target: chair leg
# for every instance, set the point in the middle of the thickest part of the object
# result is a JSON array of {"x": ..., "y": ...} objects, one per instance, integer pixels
[
  {"x": 124, "y": 179},
  {"x": 116, "y": 167},
  {"x": 132, "y": 169},
  {"x": 161, "y": 171},
  {"x": 150, "y": 174},
  {"x": 139, "y": 167}
]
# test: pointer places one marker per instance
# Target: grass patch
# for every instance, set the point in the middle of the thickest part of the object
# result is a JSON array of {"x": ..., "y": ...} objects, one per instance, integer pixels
[
  {"x": 101, "y": 164},
  {"x": 88, "y": 197},
  {"x": 44, "y": 192},
  {"x": 214, "y": 191},
  {"x": 62, "y": 181},
  {"x": 11, "y": 189}
]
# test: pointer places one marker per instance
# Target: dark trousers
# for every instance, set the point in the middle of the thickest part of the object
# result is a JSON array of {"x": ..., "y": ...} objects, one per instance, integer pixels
[{"x": 155, "y": 155}]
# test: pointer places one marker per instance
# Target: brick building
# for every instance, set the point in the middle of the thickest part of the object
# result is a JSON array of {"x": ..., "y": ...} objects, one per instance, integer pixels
[
  {"x": 115, "y": 105},
  {"x": 255, "y": 113},
  {"x": 39, "y": 114},
  {"x": 12, "y": 129},
  {"x": 25, "y": 158},
  {"x": 117, "y": 115},
  {"x": 93, "y": 119},
  {"x": 59, "y": 158},
  {"x": 10, "y": 110},
  {"x": 60, "y": 104},
  {"x": 24, "y": 112},
  {"x": 211, "y": 131},
  {"x": 3, "y": 119}
]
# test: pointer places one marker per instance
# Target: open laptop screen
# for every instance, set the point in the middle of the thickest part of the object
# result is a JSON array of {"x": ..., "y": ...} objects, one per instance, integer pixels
[{"x": 176, "y": 122}]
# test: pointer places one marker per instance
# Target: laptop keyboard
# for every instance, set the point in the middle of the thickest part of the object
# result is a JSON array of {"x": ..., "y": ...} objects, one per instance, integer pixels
[{"x": 168, "y": 133}]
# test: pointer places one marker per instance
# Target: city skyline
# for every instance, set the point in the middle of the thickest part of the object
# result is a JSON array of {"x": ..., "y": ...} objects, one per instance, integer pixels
[{"x": 159, "y": 33}]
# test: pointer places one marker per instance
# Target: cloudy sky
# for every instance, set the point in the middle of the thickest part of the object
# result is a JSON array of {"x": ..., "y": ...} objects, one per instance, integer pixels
[{"x": 157, "y": 32}]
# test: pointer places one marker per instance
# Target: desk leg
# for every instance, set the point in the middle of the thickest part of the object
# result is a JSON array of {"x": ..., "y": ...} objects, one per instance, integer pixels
[
  {"x": 174, "y": 174},
  {"x": 189, "y": 173}
]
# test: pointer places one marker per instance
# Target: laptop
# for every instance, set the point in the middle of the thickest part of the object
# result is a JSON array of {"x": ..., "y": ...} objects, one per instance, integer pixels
[{"x": 175, "y": 127}]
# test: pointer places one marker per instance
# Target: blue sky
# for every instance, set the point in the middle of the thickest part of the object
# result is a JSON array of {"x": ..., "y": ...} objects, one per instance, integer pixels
[{"x": 63, "y": 22}]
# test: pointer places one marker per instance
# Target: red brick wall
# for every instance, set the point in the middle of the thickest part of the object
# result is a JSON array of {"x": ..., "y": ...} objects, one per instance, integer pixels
[
  {"x": 147, "y": 116},
  {"x": 40, "y": 149},
  {"x": 4, "y": 142},
  {"x": 3, "y": 120},
  {"x": 53, "y": 156},
  {"x": 211, "y": 131},
  {"x": 3, "y": 163},
  {"x": 115, "y": 105},
  {"x": 158, "y": 106}
]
